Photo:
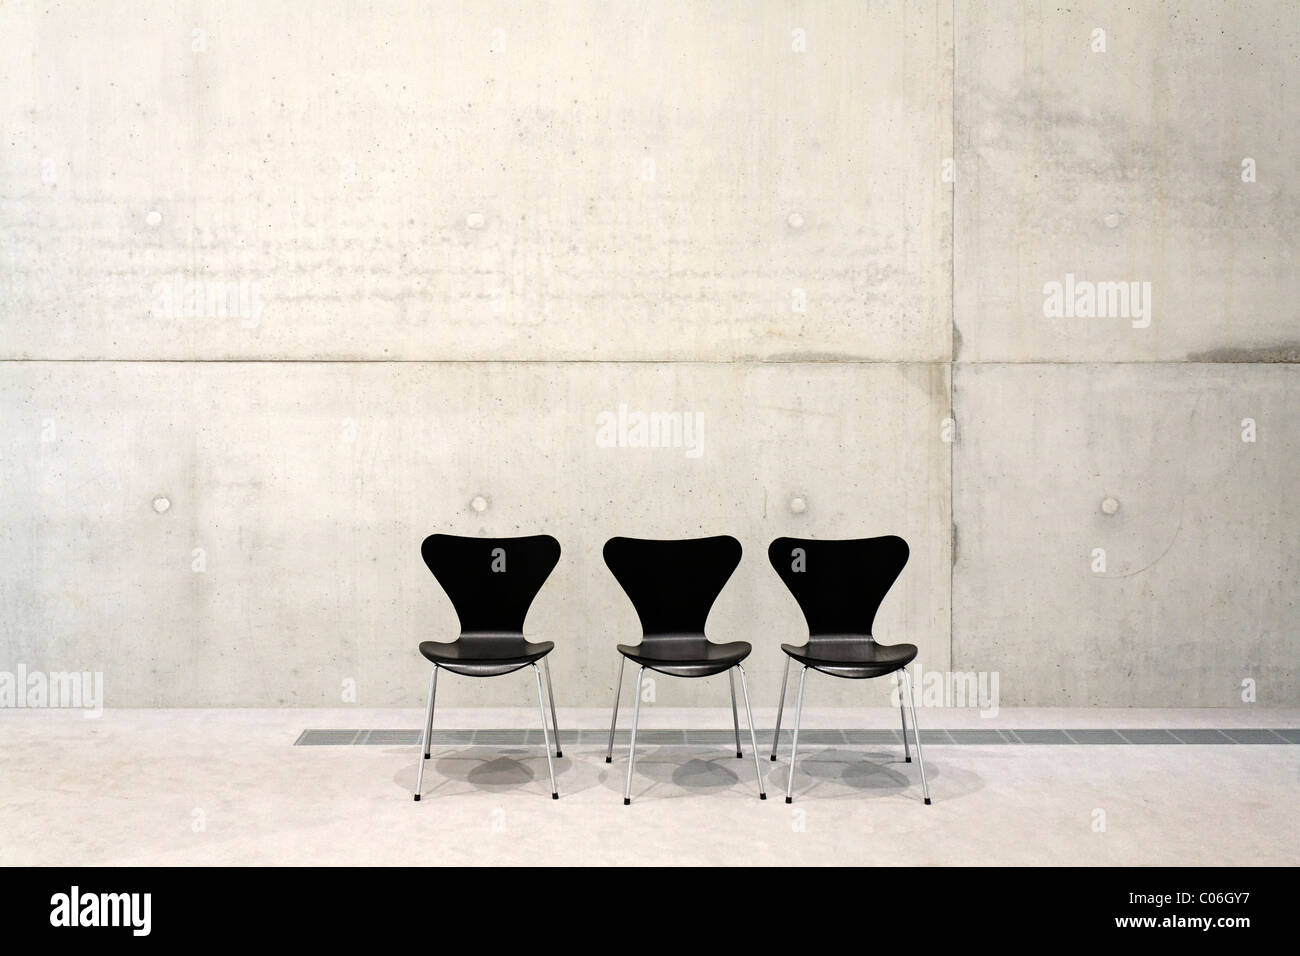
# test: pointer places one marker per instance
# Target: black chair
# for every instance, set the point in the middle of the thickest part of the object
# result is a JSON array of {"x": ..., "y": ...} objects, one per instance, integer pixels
[
  {"x": 839, "y": 586},
  {"x": 491, "y": 583},
  {"x": 672, "y": 586}
]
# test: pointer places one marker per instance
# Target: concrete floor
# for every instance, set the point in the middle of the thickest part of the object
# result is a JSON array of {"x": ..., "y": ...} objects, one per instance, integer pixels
[{"x": 227, "y": 787}]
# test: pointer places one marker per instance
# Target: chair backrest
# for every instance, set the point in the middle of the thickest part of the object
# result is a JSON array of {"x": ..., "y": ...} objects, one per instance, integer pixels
[
  {"x": 839, "y": 584},
  {"x": 672, "y": 584},
  {"x": 491, "y": 581}
]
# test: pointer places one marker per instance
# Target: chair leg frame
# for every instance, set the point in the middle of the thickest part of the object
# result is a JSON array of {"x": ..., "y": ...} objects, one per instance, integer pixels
[
  {"x": 541, "y": 709},
  {"x": 613, "y": 721},
  {"x": 428, "y": 733},
  {"x": 631, "y": 750},
  {"x": 735, "y": 720},
  {"x": 550, "y": 692},
  {"x": 541, "y": 712},
  {"x": 916, "y": 732},
  {"x": 794, "y": 744},
  {"x": 780, "y": 707},
  {"x": 636, "y": 716},
  {"x": 902, "y": 713},
  {"x": 798, "y": 713},
  {"x": 753, "y": 740}
]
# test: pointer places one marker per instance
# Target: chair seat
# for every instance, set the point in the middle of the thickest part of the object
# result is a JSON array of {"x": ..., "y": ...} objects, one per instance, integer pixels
[
  {"x": 854, "y": 658},
  {"x": 486, "y": 655},
  {"x": 686, "y": 657}
]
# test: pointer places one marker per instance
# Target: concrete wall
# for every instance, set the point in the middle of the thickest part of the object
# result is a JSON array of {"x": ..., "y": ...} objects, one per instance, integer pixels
[
  {"x": 1127, "y": 165},
  {"x": 319, "y": 275}
]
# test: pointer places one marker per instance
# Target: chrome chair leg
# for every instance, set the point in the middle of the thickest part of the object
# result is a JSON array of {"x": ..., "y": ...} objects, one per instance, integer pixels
[
  {"x": 785, "y": 679},
  {"x": 618, "y": 687},
  {"x": 794, "y": 744},
  {"x": 541, "y": 711},
  {"x": 550, "y": 692},
  {"x": 428, "y": 723},
  {"x": 902, "y": 712},
  {"x": 753, "y": 740},
  {"x": 735, "y": 720},
  {"x": 916, "y": 732},
  {"x": 631, "y": 750},
  {"x": 428, "y": 733}
]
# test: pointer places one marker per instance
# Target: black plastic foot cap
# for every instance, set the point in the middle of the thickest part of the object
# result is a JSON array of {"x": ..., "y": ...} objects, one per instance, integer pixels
[
  {"x": 426, "y": 756},
  {"x": 609, "y": 760},
  {"x": 627, "y": 801},
  {"x": 555, "y": 796},
  {"x": 788, "y": 800},
  {"x": 762, "y": 796},
  {"x": 773, "y": 758},
  {"x": 559, "y": 753},
  {"x": 739, "y": 755},
  {"x": 927, "y": 801},
  {"x": 909, "y": 760},
  {"x": 416, "y": 797}
]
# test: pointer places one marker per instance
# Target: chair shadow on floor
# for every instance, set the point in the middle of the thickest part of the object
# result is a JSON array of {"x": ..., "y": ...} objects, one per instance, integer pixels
[
  {"x": 839, "y": 771},
  {"x": 493, "y": 769},
  {"x": 489, "y": 769},
  {"x": 698, "y": 773},
  {"x": 674, "y": 771},
  {"x": 661, "y": 773}
]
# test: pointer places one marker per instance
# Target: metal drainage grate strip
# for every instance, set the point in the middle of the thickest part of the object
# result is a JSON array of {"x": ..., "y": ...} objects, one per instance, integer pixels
[{"x": 715, "y": 738}]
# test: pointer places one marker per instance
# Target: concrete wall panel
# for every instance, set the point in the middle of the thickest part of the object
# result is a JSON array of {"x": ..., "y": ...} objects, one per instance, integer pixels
[
  {"x": 578, "y": 180},
  {"x": 1127, "y": 166},
  {"x": 309, "y": 487},
  {"x": 1197, "y": 589}
]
